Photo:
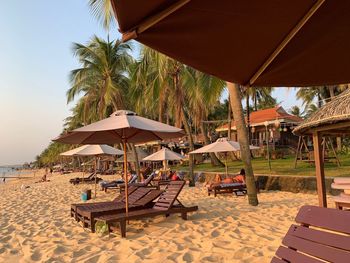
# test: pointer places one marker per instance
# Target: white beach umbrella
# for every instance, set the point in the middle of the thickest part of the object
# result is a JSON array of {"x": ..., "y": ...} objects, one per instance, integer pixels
[
  {"x": 222, "y": 145},
  {"x": 93, "y": 150},
  {"x": 164, "y": 155},
  {"x": 73, "y": 151},
  {"x": 121, "y": 127}
]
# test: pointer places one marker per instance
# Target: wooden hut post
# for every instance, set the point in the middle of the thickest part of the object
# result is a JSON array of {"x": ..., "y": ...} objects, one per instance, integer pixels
[{"x": 319, "y": 164}]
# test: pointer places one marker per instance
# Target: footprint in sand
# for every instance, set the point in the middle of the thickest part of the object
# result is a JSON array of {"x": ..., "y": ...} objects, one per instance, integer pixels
[
  {"x": 187, "y": 257},
  {"x": 36, "y": 256},
  {"x": 215, "y": 233}
]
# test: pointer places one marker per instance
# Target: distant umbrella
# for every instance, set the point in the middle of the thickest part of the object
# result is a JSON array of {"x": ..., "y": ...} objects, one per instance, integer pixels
[
  {"x": 222, "y": 145},
  {"x": 93, "y": 150},
  {"x": 164, "y": 155}
]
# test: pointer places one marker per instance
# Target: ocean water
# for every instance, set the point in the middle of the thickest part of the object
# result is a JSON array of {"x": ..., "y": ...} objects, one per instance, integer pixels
[{"x": 6, "y": 171}]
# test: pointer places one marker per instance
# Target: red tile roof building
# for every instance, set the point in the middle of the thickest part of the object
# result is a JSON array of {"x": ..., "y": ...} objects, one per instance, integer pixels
[{"x": 278, "y": 122}]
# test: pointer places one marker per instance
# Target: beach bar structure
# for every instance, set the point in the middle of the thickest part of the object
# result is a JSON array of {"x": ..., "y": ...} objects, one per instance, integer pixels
[{"x": 333, "y": 119}]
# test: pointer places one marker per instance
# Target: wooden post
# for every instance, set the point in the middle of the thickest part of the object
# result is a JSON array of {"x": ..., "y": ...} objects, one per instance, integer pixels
[
  {"x": 297, "y": 153},
  {"x": 319, "y": 164},
  {"x": 126, "y": 177}
]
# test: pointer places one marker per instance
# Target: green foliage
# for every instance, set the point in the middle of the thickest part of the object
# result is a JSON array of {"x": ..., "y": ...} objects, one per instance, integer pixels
[
  {"x": 280, "y": 167},
  {"x": 51, "y": 154}
]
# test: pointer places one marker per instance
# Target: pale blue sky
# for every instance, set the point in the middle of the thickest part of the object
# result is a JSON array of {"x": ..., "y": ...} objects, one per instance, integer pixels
[{"x": 35, "y": 59}]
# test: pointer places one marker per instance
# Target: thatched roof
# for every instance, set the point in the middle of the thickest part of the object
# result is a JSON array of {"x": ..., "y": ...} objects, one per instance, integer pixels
[{"x": 334, "y": 112}]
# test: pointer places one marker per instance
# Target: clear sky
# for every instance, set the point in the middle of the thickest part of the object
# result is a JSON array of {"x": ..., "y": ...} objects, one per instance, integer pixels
[{"x": 35, "y": 59}]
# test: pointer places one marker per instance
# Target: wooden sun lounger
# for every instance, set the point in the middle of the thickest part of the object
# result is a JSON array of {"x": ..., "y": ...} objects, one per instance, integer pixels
[
  {"x": 322, "y": 236},
  {"x": 342, "y": 201},
  {"x": 237, "y": 188},
  {"x": 146, "y": 183},
  {"x": 142, "y": 197},
  {"x": 120, "y": 198},
  {"x": 89, "y": 179},
  {"x": 116, "y": 185},
  {"x": 164, "y": 206}
]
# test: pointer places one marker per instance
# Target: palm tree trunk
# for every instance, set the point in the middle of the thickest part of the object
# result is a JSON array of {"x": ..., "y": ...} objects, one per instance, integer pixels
[
  {"x": 248, "y": 113},
  {"x": 191, "y": 144},
  {"x": 237, "y": 109},
  {"x": 229, "y": 118},
  {"x": 214, "y": 160}
]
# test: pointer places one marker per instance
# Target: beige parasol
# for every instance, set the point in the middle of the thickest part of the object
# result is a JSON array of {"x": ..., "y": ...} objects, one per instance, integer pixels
[
  {"x": 164, "y": 155},
  {"x": 93, "y": 150},
  {"x": 121, "y": 127},
  {"x": 222, "y": 145}
]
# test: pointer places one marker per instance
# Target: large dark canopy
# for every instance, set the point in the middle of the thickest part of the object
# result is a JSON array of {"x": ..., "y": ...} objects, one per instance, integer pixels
[{"x": 236, "y": 40}]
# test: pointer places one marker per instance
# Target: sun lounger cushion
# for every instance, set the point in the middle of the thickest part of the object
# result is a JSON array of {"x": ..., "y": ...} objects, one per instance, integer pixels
[
  {"x": 340, "y": 186},
  {"x": 342, "y": 180},
  {"x": 232, "y": 185}
]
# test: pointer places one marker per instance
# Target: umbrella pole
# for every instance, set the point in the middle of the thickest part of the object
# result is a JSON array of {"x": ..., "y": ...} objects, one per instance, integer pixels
[
  {"x": 226, "y": 165},
  {"x": 126, "y": 177},
  {"x": 95, "y": 176}
]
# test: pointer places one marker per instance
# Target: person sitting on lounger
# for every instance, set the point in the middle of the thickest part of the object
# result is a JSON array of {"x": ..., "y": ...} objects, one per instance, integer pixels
[
  {"x": 240, "y": 178},
  {"x": 217, "y": 181}
]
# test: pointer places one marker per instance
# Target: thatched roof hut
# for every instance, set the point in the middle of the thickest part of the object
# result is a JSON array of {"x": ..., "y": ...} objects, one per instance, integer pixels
[{"x": 332, "y": 118}]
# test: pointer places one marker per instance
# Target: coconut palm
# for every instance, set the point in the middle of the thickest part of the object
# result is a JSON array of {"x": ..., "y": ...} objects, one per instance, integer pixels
[
  {"x": 102, "y": 78},
  {"x": 296, "y": 111},
  {"x": 157, "y": 83}
]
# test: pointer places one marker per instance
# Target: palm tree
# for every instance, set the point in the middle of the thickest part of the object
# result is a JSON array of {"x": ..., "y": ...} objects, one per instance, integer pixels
[
  {"x": 199, "y": 88},
  {"x": 103, "y": 11},
  {"x": 102, "y": 78},
  {"x": 296, "y": 111},
  {"x": 160, "y": 78},
  {"x": 242, "y": 132}
]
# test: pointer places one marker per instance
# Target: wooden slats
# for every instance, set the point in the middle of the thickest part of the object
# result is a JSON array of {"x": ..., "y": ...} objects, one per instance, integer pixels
[
  {"x": 328, "y": 242},
  {"x": 290, "y": 255},
  {"x": 331, "y": 219},
  {"x": 153, "y": 194},
  {"x": 317, "y": 250},
  {"x": 321, "y": 237},
  {"x": 277, "y": 260}
]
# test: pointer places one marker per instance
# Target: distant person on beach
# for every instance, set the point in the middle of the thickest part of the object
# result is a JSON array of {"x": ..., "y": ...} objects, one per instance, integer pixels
[
  {"x": 51, "y": 170},
  {"x": 4, "y": 180}
]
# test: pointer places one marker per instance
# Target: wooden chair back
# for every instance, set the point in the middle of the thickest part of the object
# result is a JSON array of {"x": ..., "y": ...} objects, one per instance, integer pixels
[
  {"x": 168, "y": 197},
  {"x": 322, "y": 236}
]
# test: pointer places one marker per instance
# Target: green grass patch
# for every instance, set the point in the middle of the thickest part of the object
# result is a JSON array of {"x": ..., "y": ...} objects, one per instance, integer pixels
[{"x": 280, "y": 167}]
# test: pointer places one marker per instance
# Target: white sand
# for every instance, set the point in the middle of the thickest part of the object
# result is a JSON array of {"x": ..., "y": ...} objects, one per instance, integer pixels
[{"x": 35, "y": 226}]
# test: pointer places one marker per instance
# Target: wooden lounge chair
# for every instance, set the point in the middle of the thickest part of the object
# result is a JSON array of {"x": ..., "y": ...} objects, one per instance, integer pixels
[
  {"x": 119, "y": 198},
  {"x": 145, "y": 183},
  {"x": 88, "y": 179},
  {"x": 116, "y": 184},
  {"x": 342, "y": 200},
  {"x": 140, "y": 198},
  {"x": 237, "y": 188},
  {"x": 322, "y": 236},
  {"x": 164, "y": 206}
]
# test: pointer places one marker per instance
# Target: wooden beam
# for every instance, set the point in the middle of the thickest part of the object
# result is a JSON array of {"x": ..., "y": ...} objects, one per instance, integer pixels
[
  {"x": 319, "y": 164},
  {"x": 330, "y": 127},
  {"x": 151, "y": 21},
  {"x": 286, "y": 40}
]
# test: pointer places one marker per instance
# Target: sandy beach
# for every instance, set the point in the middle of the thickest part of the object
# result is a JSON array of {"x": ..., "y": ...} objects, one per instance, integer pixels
[{"x": 35, "y": 226}]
